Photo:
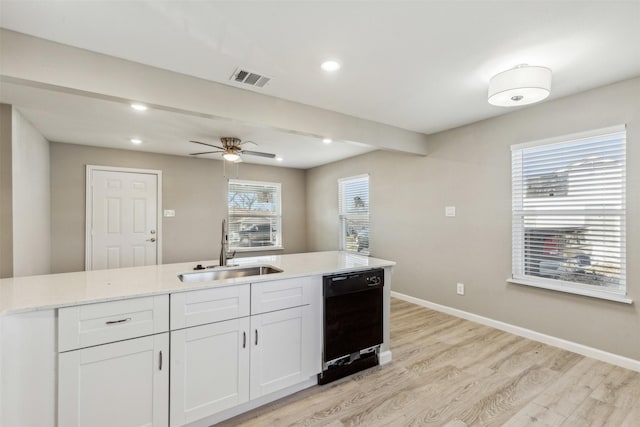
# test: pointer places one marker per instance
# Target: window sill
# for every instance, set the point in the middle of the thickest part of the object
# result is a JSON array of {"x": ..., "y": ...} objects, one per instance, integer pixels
[
  {"x": 572, "y": 290},
  {"x": 257, "y": 249}
]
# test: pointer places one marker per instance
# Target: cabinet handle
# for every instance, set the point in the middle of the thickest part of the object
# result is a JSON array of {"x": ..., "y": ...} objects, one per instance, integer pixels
[
  {"x": 111, "y": 322},
  {"x": 256, "y": 337},
  {"x": 244, "y": 339},
  {"x": 160, "y": 361}
]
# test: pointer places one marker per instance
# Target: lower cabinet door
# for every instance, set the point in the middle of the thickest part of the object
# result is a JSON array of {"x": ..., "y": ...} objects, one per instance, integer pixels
[
  {"x": 121, "y": 384},
  {"x": 284, "y": 349},
  {"x": 209, "y": 369}
]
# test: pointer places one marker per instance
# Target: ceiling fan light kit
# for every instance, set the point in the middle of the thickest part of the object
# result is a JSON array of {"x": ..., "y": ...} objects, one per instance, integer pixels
[
  {"x": 518, "y": 86},
  {"x": 231, "y": 156}
]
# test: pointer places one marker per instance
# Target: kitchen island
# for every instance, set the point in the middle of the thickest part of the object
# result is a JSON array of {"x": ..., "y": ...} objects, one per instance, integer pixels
[{"x": 53, "y": 336}]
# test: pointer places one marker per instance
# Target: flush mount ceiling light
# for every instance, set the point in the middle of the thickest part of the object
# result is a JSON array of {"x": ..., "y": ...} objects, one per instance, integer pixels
[
  {"x": 330, "y": 65},
  {"x": 279, "y": 159},
  {"x": 518, "y": 86},
  {"x": 139, "y": 107},
  {"x": 136, "y": 141},
  {"x": 327, "y": 140}
]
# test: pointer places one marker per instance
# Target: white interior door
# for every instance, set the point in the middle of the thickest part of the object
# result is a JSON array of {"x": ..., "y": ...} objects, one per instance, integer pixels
[{"x": 123, "y": 211}]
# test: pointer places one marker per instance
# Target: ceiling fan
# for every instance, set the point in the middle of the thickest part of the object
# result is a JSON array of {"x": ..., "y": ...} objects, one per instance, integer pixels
[{"x": 232, "y": 149}]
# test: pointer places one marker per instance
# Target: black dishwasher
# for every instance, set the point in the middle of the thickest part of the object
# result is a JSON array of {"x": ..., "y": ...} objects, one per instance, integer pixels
[{"x": 353, "y": 328}]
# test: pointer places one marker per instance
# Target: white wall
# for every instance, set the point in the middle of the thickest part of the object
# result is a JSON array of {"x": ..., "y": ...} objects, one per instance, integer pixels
[
  {"x": 31, "y": 199},
  {"x": 470, "y": 168}
]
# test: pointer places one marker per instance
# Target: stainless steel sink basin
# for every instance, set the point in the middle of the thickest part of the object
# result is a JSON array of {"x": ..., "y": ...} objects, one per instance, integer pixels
[{"x": 227, "y": 273}]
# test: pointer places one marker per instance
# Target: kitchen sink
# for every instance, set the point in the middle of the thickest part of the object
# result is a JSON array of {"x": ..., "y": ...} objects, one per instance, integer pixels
[{"x": 227, "y": 273}]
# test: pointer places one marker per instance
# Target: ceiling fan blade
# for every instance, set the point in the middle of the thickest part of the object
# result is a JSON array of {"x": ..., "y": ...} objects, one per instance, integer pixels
[
  {"x": 209, "y": 145},
  {"x": 205, "y": 152},
  {"x": 248, "y": 142},
  {"x": 258, "y": 153}
]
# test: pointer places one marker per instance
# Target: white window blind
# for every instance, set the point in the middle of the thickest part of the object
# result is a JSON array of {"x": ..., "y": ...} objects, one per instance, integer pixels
[
  {"x": 254, "y": 215},
  {"x": 353, "y": 208},
  {"x": 569, "y": 213}
]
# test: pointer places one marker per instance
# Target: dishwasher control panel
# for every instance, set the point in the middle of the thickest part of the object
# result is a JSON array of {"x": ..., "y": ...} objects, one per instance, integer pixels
[{"x": 352, "y": 282}]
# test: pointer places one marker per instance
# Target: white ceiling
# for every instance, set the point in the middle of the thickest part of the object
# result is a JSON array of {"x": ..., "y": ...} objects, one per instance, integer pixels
[
  {"x": 418, "y": 65},
  {"x": 77, "y": 119}
]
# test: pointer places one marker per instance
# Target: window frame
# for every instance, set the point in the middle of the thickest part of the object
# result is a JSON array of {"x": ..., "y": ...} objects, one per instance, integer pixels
[
  {"x": 360, "y": 216},
  {"x": 278, "y": 215},
  {"x": 519, "y": 258}
]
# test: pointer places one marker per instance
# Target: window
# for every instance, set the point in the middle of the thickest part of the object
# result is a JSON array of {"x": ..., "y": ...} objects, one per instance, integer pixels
[
  {"x": 568, "y": 206},
  {"x": 254, "y": 215},
  {"x": 353, "y": 204}
]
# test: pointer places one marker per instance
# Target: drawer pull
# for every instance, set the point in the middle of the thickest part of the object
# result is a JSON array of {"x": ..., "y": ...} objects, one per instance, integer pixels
[
  {"x": 112, "y": 322},
  {"x": 244, "y": 339},
  {"x": 160, "y": 361},
  {"x": 256, "y": 337}
]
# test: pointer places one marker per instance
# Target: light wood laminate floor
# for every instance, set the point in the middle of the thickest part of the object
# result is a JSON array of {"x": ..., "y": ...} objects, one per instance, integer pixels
[{"x": 451, "y": 372}]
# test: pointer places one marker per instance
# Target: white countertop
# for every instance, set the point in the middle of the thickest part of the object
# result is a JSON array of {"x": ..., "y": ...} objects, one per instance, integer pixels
[{"x": 21, "y": 294}]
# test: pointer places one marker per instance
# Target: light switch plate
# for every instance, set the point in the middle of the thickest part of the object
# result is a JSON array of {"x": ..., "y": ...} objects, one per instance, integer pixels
[
  {"x": 449, "y": 211},
  {"x": 169, "y": 212}
]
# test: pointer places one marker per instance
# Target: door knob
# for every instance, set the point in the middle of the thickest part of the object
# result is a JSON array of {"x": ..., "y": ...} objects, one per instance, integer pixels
[{"x": 153, "y": 239}]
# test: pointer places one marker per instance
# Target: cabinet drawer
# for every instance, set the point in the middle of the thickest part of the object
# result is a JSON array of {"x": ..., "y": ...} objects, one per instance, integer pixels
[
  {"x": 281, "y": 294},
  {"x": 209, "y": 305},
  {"x": 93, "y": 324}
]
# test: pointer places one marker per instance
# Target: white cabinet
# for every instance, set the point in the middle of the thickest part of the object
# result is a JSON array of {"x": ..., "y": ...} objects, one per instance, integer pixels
[
  {"x": 123, "y": 384},
  {"x": 285, "y": 349},
  {"x": 286, "y": 325},
  {"x": 209, "y": 369},
  {"x": 281, "y": 294},
  {"x": 113, "y": 365},
  {"x": 92, "y": 324},
  {"x": 209, "y": 305},
  {"x": 242, "y": 355},
  {"x": 209, "y": 352}
]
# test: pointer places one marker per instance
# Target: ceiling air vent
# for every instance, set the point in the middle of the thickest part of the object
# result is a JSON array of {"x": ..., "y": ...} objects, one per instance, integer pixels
[{"x": 249, "y": 77}]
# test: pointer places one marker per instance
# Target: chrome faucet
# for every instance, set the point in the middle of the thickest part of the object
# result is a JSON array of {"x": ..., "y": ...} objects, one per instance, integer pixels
[{"x": 224, "y": 241}]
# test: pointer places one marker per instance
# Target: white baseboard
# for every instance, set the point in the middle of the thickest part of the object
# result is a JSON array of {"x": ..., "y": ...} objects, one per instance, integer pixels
[
  {"x": 584, "y": 350},
  {"x": 252, "y": 404},
  {"x": 384, "y": 357}
]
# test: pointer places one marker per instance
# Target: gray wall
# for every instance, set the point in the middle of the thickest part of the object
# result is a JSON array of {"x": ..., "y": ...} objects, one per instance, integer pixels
[
  {"x": 470, "y": 168},
  {"x": 195, "y": 188},
  {"x": 31, "y": 190},
  {"x": 6, "y": 194}
]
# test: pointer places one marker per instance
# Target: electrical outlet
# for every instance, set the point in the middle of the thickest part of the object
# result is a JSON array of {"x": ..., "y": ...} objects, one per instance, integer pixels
[{"x": 460, "y": 288}]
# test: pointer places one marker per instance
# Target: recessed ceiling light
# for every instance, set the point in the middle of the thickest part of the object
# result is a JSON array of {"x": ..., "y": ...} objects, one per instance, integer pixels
[
  {"x": 279, "y": 159},
  {"x": 327, "y": 140},
  {"x": 330, "y": 65},
  {"x": 139, "y": 107},
  {"x": 136, "y": 141}
]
